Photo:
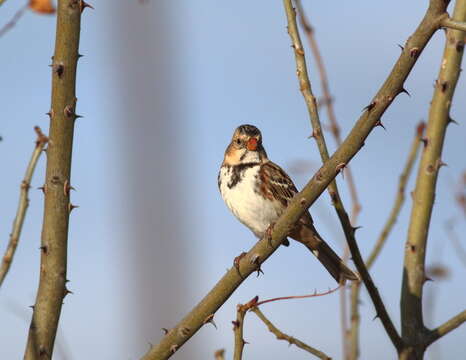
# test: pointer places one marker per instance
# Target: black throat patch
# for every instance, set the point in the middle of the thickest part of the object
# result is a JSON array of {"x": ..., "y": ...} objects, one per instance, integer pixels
[{"x": 237, "y": 172}]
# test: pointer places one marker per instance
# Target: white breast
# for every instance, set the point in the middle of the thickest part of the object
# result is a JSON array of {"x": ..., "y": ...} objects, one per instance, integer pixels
[{"x": 244, "y": 201}]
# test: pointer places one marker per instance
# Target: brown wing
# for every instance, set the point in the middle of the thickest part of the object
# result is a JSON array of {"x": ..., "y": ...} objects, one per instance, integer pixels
[{"x": 275, "y": 184}]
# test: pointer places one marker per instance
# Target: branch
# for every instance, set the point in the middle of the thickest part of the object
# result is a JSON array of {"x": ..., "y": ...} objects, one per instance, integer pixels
[
  {"x": 238, "y": 326},
  {"x": 355, "y": 290},
  {"x": 52, "y": 289},
  {"x": 220, "y": 354},
  {"x": 452, "y": 24},
  {"x": 328, "y": 100},
  {"x": 423, "y": 197},
  {"x": 393, "y": 85},
  {"x": 349, "y": 231},
  {"x": 448, "y": 326},
  {"x": 291, "y": 340},
  {"x": 22, "y": 206}
]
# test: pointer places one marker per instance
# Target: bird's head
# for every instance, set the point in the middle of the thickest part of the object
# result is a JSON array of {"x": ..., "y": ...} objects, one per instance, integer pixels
[{"x": 245, "y": 146}]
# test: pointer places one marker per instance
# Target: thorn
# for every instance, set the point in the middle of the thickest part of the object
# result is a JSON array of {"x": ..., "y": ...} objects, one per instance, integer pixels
[
  {"x": 426, "y": 279},
  {"x": 58, "y": 69},
  {"x": 370, "y": 106},
  {"x": 76, "y": 116},
  {"x": 25, "y": 185},
  {"x": 210, "y": 319},
  {"x": 67, "y": 281},
  {"x": 173, "y": 348},
  {"x": 375, "y": 317},
  {"x": 50, "y": 113},
  {"x": 439, "y": 163},
  {"x": 80, "y": 56},
  {"x": 66, "y": 292},
  {"x": 236, "y": 262},
  {"x": 340, "y": 167},
  {"x": 32, "y": 306},
  {"x": 165, "y": 331},
  {"x": 67, "y": 187},
  {"x": 451, "y": 121},
  {"x": 84, "y": 5},
  {"x": 354, "y": 228},
  {"x": 43, "y": 248},
  {"x": 184, "y": 331},
  {"x": 413, "y": 52},
  {"x": 302, "y": 201},
  {"x": 379, "y": 123},
  {"x": 71, "y": 207},
  {"x": 425, "y": 141},
  {"x": 68, "y": 111},
  {"x": 403, "y": 90},
  {"x": 313, "y": 134},
  {"x": 443, "y": 86},
  {"x": 256, "y": 261},
  {"x": 401, "y": 47},
  {"x": 235, "y": 324}
]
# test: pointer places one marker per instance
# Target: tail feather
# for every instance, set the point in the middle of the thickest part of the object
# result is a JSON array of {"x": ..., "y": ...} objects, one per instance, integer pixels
[{"x": 308, "y": 235}]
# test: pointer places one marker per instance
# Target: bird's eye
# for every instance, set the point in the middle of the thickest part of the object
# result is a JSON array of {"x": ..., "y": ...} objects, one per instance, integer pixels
[{"x": 238, "y": 141}]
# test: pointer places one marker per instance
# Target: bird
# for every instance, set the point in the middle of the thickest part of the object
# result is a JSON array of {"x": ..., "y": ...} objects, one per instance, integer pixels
[{"x": 257, "y": 191}]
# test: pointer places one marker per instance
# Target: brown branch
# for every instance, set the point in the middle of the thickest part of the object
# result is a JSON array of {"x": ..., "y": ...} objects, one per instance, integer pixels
[
  {"x": 291, "y": 340},
  {"x": 315, "y": 294},
  {"x": 447, "y": 327},
  {"x": 348, "y": 229},
  {"x": 52, "y": 289},
  {"x": 22, "y": 205},
  {"x": 238, "y": 326},
  {"x": 317, "y": 184},
  {"x": 399, "y": 200},
  {"x": 414, "y": 277}
]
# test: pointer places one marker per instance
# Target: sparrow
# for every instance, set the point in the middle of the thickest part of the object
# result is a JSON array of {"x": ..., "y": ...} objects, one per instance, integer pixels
[{"x": 257, "y": 191}]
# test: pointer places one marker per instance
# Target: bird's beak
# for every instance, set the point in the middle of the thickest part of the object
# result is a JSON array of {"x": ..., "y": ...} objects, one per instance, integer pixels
[{"x": 252, "y": 144}]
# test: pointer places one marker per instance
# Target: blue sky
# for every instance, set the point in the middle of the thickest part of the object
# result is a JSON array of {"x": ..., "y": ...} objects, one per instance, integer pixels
[{"x": 228, "y": 63}]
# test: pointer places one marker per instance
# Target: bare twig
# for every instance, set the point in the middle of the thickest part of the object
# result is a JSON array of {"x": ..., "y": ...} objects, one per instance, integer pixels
[
  {"x": 22, "y": 206},
  {"x": 315, "y": 294},
  {"x": 414, "y": 277},
  {"x": 316, "y": 185},
  {"x": 291, "y": 340},
  {"x": 238, "y": 326},
  {"x": 10, "y": 24},
  {"x": 54, "y": 240},
  {"x": 448, "y": 326},
  {"x": 452, "y": 24}
]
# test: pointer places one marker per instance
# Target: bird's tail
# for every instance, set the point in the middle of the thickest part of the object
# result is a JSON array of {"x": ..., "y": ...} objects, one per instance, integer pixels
[{"x": 308, "y": 235}]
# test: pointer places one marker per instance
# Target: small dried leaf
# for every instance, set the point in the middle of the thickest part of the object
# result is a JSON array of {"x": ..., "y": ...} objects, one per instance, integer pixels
[{"x": 42, "y": 6}]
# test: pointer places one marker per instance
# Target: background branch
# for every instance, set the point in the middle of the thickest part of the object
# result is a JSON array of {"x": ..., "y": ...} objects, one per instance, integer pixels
[
  {"x": 413, "y": 328},
  {"x": 22, "y": 206},
  {"x": 291, "y": 340},
  {"x": 238, "y": 326},
  {"x": 52, "y": 289}
]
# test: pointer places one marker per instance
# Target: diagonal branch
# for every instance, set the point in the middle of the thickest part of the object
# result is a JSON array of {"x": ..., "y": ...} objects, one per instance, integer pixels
[
  {"x": 424, "y": 194},
  {"x": 448, "y": 326},
  {"x": 333, "y": 190},
  {"x": 57, "y": 206},
  {"x": 318, "y": 183},
  {"x": 291, "y": 340},
  {"x": 23, "y": 205}
]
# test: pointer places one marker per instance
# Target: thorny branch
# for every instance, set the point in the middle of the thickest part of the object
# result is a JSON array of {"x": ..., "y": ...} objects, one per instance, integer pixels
[
  {"x": 414, "y": 332},
  {"x": 57, "y": 206},
  {"x": 22, "y": 205}
]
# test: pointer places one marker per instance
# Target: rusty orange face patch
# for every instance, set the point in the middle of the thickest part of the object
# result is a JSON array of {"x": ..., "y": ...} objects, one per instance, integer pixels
[{"x": 252, "y": 144}]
